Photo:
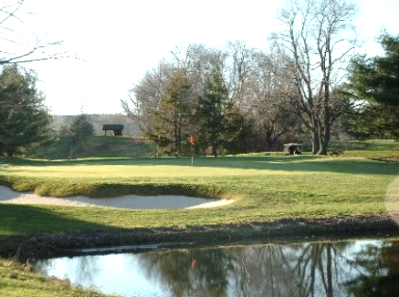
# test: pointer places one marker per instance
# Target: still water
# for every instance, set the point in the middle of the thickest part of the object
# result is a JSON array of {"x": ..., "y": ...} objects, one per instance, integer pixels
[{"x": 346, "y": 268}]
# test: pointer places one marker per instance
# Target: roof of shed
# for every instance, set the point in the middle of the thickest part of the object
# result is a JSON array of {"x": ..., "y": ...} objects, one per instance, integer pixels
[{"x": 113, "y": 127}]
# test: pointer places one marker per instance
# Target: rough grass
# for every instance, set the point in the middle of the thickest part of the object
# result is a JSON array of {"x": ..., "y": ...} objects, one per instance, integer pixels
[
  {"x": 95, "y": 146},
  {"x": 17, "y": 280}
]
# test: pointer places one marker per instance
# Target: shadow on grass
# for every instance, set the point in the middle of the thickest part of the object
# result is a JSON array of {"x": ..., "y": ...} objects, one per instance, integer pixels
[
  {"x": 278, "y": 163},
  {"x": 24, "y": 220}
]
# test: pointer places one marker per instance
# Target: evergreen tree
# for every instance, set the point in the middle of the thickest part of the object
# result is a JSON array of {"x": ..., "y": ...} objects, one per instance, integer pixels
[
  {"x": 373, "y": 120},
  {"x": 377, "y": 78},
  {"x": 237, "y": 131},
  {"x": 24, "y": 119},
  {"x": 172, "y": 118},
  {"x": 213, "y": 106},
  {"x": 81, "y": 129}
]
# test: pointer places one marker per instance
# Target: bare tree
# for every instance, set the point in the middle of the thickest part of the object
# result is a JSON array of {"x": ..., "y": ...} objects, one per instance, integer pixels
[
  {"x": 240, "y": 66},
  {"x": 19, "y": 43},
  {"x": 267, "y": 84},
  {"x": 145, "y": 95},
  {"x": 317, "y": 37}
]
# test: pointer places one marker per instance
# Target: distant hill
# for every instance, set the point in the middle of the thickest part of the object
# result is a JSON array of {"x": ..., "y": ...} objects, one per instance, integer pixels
[{"x": 98, "y": 120}]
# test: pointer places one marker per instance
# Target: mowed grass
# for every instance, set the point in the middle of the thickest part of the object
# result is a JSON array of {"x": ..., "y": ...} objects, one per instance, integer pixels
[
  {"x": 265, "y": 188},
  {"x": 375, "y": 149}
]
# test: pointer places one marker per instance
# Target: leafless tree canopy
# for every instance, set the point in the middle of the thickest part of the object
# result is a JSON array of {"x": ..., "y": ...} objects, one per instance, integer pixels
[
  {"x": 317, "y": 36},
  {"x": 19, "y": 43}
]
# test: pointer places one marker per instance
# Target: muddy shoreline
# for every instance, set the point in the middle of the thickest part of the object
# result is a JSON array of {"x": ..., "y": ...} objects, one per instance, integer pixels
[{"x": 114, "y": 240}]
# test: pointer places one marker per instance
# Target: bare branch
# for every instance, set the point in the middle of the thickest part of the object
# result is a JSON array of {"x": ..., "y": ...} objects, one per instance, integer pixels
[
  {"x": 19, "y": 47},
  {"x": 11, "y": 14},
  {"x": 313, "y": 31}
]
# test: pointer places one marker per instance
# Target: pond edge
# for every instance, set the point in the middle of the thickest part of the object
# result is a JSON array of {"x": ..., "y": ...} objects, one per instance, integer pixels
[{"x": 70, "y": 244}]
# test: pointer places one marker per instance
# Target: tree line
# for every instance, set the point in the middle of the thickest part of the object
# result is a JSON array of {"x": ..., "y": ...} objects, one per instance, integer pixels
[
  {"x": 238, "y": 99},
  {"x": 211, "y": 94}
]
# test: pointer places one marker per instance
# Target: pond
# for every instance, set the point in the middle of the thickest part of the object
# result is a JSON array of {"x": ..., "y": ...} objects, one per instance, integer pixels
[{"x": 345, "y": 268}]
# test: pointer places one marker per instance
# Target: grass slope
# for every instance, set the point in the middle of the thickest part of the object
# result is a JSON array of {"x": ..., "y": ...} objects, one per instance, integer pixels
[
  {"x": 96, "y": 146},
  {"x": 266, "y": 188}
]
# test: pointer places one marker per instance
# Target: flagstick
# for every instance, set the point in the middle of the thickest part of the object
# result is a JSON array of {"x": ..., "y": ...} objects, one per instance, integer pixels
[
  {"x": 192, "y": 156},
  {"x": 192, "y": 142}
]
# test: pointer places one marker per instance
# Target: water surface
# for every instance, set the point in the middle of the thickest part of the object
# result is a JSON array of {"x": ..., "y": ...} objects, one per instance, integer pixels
[{"x": 355, "y": 268}]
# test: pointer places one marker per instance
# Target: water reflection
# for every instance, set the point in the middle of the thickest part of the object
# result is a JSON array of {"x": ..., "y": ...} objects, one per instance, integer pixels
[
  {"x": 363, "y": 268},
  {"x": 378, "y": 271}
]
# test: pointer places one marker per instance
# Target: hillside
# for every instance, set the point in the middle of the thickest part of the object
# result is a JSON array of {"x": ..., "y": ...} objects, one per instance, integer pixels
[
  {"x": 98, "y": 120},
  {"x": 96, "y": 147}
]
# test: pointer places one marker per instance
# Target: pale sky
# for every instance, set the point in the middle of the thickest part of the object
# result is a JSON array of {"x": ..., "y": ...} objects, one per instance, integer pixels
[{"x": 121, "y": 39}]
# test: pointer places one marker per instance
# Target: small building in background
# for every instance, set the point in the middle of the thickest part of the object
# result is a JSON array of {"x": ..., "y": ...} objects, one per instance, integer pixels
[{"x": 116, "y": 128}]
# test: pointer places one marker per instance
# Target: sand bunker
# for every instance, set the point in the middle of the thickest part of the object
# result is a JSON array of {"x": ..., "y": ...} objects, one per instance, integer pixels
[{"x": 129, "y": 201}]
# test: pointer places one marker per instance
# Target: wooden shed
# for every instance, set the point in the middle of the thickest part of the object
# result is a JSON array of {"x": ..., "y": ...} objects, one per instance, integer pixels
[{"x": 116, "y": 128}]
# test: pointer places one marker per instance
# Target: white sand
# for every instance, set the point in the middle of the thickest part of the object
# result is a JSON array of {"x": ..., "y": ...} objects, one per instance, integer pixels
[{"x": 129, "y": 201}]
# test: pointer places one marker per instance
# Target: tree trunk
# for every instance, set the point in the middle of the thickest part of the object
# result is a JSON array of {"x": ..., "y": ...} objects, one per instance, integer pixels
[
  {"x": 316, "y": 139},
  {"x": 214, "y": 151},
  {"x": 326, "y": 140},
  {"x": 315, "y": 143},
  {"x": 326, "y": 135},
  {"x": 269, "y": 141}
]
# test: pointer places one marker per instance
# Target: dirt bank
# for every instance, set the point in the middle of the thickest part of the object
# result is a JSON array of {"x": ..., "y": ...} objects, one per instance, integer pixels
[{"x": 130, "y": 240}]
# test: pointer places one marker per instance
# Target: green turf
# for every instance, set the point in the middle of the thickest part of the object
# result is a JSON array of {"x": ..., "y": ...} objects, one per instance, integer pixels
[{"x": 265, "y": 188}]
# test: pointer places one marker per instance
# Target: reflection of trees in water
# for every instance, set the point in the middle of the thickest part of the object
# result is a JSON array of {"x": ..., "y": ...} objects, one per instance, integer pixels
[
  {"x": 190, "y": 272},
  {"x": 87, "y": 268},
  {"x": 320, "y": 269},
  {"x": 83, "y": 269},
  {"x": 297, "y": 270},
  {"x": 260, "y": 271},
  {"x": 312, "y": 269},
  {"x": 378, "y": 271}
]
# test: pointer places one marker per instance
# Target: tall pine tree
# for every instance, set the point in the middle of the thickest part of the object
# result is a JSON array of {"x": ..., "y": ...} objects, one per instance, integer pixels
[
  {"x": 376, "y": 79},
  {"x": 172, "y": 117},
  {"x": 213, "y": 106},
  {"x": 24, "y": 119}
]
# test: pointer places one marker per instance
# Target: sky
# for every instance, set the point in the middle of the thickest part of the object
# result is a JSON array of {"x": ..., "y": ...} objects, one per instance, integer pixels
[{"x": 118, "y": 41}]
